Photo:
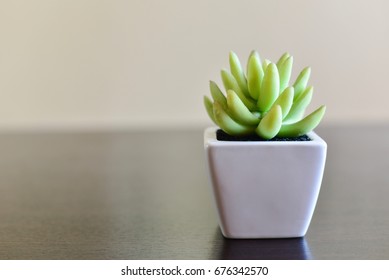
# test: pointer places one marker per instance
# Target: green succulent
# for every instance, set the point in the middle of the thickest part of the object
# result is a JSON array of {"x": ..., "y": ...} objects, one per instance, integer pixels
[{"x": 261, "y": 101}]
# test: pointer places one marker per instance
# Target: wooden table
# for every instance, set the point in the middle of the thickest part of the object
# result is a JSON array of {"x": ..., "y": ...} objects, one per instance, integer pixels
[{"x": 145, "y": 195}]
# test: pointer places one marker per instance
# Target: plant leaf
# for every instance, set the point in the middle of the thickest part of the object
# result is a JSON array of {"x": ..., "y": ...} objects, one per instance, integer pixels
[
  {"x": 296, "y": 113},
  {"x": 265, "y": 63},
  {"x": 301, "y": 82},
  {"x": 285, "y": 100},
  {"x": 230, "y": 83},
  {"x": 254, "y": 75},
  {"x": 303, "y": 126},
  {"x": 269, "y": 89},
  {"x": 238, "y": 111},
  {"x": 209, "y": 107},
  {"x": 237, "y": 72},
  {"x": 270, "y": 124},
  {"x": 217, "y": 94},
  {"x": 285, "y": 71},
  {"x": 226, "y": 123},
  {"x": 282, "y": 59}
]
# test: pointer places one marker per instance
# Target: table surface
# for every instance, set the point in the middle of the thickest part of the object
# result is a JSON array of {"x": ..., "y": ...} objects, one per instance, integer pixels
[{"x": 145, "y": 195}]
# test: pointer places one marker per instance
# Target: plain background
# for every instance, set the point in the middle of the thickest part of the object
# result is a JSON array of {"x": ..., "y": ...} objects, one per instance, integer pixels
[{"x": 147, "y": 63}]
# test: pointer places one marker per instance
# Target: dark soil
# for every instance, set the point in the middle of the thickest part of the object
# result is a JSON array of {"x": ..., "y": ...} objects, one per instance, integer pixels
[{"x": 222, "y": 136}]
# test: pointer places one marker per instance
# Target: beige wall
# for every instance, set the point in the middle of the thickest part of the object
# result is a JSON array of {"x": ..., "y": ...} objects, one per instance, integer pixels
[{"x": 148, "y": 62}]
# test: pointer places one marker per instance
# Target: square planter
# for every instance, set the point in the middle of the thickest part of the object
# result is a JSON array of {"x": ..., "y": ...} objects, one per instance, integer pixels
[{"x": 265, "y": 189}]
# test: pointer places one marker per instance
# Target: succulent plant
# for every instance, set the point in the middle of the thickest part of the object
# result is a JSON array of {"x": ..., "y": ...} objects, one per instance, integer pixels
[{"x": 261, "y": 101}]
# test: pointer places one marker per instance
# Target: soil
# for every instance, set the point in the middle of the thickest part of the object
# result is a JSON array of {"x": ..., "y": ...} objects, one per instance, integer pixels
[{"x": 222, "y": 136}]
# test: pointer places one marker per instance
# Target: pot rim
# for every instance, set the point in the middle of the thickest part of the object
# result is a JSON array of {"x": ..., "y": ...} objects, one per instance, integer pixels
[{"x": 211, "y": 140}]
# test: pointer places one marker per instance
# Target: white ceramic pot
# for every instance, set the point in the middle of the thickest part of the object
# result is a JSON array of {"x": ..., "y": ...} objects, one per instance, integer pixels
[{"x": 265, "y": 189}]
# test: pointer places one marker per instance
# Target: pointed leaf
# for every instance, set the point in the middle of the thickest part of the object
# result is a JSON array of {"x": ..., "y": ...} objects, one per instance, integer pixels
[
  {"x": 298, "y": 108},
  {"x": 265, "y": 63},
  {"x": 254, "y": 75},
  {"x": 285, "y": 71},
  {"x": 284, "y": 57},
  {"x": 217, "y": 94},
  {"x": 285, "y": 101},
  {"x": 230, "y": 83},
  {"x": 269, "y": 89},
  {"x": 270, "y": 124},
  {"x": 238, "y": 111},
  {"x": 301, "y": 82},
  {"x": 303, "y": 126},
  {"x": 227, "y": 124},
  {"x": 209, "y": 107},
  {"x": 237, "y": 72}
]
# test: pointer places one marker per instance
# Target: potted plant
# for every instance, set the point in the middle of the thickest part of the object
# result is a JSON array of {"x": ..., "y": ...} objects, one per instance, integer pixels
[{"x": 265, "y": 162}]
